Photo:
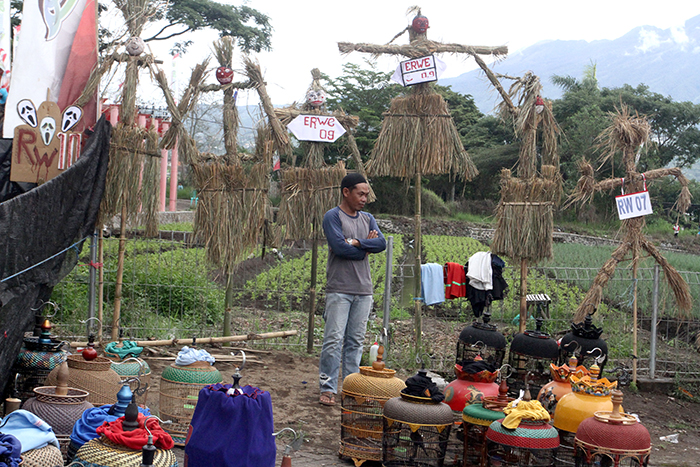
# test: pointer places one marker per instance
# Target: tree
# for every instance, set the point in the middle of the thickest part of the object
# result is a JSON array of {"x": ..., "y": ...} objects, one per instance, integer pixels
[
  {"x": 366, "y": 93},
  {"x": 251, "y": 28}
]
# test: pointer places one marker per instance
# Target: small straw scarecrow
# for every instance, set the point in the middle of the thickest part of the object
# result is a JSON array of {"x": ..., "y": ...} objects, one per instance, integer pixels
[
  {"x": 525, "y": 212},
  {"x": 418, "y": 136},
  {"x": 628, "y": 133},
  {"x": 312, "y": 189}
]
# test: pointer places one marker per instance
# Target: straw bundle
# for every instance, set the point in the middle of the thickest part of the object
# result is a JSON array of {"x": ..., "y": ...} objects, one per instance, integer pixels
[
  {"x": 150, "y": 187},
  {"x": 306, "y": 196},
  {"x": 421, "y": 48},
  {"x": 418, "y": 136},
  {"x": 279, "y": 134},
  {"x": 678, "y": 285},
  {"x": 178, "y": 112},
  {"x": 231, "y": 209},
  {"x": 124, "y": 177},
  {"x": 223, "y": 51},
  {"x": 626, "y": 132}
]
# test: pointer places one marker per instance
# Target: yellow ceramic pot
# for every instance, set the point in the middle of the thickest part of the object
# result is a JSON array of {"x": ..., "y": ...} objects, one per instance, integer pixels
[{"x": 575, "y": 407}]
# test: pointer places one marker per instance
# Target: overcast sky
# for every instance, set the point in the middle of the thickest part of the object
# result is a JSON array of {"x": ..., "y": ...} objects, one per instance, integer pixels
[{"x": 306, "y": 32}]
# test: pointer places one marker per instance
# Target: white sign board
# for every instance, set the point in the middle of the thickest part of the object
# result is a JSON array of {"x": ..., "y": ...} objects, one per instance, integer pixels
[
  {"x": 633, "y": 205},
  {"x": 321, "y": 128},
  {"x": 418, "y": 70}
]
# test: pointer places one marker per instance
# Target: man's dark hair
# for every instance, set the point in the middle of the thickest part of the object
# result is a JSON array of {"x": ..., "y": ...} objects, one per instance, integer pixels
[{"x": 350, "y": 180}]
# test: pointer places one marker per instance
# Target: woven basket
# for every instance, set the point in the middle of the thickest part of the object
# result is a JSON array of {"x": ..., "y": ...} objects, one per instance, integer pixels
[
  {"x": 179, "y": 391},
  {"x": 61, "y": 412},
  {"x": 101, "y": 452},
  {"x": 48, "y": 456},
  {"x": 131, "y": 368},
  {"x": 32, "y": 368},
  {"x": 363, "y": 398},
  {"x": 95, "y": 377}
]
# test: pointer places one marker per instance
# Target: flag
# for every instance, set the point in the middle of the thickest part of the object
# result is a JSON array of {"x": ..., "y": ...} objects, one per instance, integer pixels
[
  {"x": 42, "y": 54},
  {"x": 83, "y": 58},
  {"x": 4, "y": 40}
]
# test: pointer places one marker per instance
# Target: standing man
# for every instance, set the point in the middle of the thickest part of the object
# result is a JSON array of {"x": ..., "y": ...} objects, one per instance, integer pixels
[{"x": 352, "y": 235}]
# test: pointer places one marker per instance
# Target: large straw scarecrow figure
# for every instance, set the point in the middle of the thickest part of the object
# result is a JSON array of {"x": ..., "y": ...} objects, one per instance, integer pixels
[
  {"x": 310, "y": 190},
  {"x": 525, "y": 212},
  {"x": 627, "y": 134},
  {"x": 233, "y": 206},
  {"x": 418, "y": 136},
  {"x": 134, "y": 170}
]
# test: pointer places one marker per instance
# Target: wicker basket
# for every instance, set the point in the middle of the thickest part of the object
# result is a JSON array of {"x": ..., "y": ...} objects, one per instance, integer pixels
[
  {"x": 101, "y": 452},
  {"x": 32, "y": 367},
  {"x": 95, "y": 376},
  {"x": 363, "y": 398},
  {"x": 61, "y": 412},
  {"x": 131, "y": 368},
  {"x": 48, "y": 456},
  {"x": 179, "y": 391}
]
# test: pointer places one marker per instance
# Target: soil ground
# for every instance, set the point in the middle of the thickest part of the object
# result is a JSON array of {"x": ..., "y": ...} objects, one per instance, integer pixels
[{"x": 291, "y": 379}]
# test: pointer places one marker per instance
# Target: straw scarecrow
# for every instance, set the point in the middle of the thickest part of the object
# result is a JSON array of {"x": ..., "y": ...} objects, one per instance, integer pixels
[
  {"x": 628, "y": 133},
  {"x": 418, "y": 136},
  {"x": 132, "y": 179},
  {"x": 310, "y": 190},
  {"x": 232, "y": 210},
  {"x": 525, "y": 212}
]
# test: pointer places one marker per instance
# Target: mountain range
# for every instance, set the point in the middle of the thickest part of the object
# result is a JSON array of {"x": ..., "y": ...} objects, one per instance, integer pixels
[{"x": 666, "y": 60}]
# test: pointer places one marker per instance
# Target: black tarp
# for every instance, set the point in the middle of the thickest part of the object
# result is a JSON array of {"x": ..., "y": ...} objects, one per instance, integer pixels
[{"x": 38, "y": 224}]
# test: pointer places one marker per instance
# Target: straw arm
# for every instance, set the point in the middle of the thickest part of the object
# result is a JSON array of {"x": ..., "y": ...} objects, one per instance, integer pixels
[
  {"x": 218, "y": 87},
  {"x": 421, "y": 48},
  {"x": 496, "y": 84}
]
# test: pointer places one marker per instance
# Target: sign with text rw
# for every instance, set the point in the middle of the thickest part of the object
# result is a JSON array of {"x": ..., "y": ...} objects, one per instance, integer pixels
[
  {"x": 320, "y": 128},
  {"x": 418, "y": 70},
  {"x": 633, "y": 205}
]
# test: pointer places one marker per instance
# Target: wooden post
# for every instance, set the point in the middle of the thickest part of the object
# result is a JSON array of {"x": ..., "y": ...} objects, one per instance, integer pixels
[
  {"x": 634, "y": 320},
  {"x": 120, "y": 272},
  {"x": 418, "y": 319},
  {"x": 228, "y": 304},
  {"x": 312, "y": 289},
  {"x": 100, "y": 282},
  {"x": 523, "y": 294}
]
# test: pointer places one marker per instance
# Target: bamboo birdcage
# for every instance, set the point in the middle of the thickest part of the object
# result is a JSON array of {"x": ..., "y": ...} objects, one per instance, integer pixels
[
  {"x": 101, "y": 452},
  {"x": 96, "y": 377},
  {"x": 416, "y": 431},
  {"x": 179, "y": 391},
  {"x": 363, "y": 397}
]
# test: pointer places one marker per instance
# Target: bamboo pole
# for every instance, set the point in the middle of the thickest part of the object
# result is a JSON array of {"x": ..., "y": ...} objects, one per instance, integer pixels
[
  {"x": 634, "y": 324},
  {"x": 312, "y": 289},
  {"x": 227, "y": 305},
  {"x": 101, "y": 283},
  {"x": 418, "y": 319},
  {"x": 120, "y": 272},
  {"x": 207, "y": 340},
  {"x": 523, "y": 294}
]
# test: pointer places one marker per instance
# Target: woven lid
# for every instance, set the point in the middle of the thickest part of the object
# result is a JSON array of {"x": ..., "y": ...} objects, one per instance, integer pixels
[
  {"x": 534, "y": 344},
  {"x": 476, "y": 414},
  {"x": 529, "y": 435},
  {"x": 48, "y": 394},
  {"x": 421, "y": 411},
  {"x": 377, "y": 384},
  {"x": 614, "y": 430},
  {"x": 77, "y": 362},
  {"x": 486, "y": 333}
]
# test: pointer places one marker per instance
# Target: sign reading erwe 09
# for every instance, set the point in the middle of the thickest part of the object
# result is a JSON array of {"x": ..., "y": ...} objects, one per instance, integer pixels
[
  {"x": 321, "y": 128},
  {"x": 633, "y": 205}
]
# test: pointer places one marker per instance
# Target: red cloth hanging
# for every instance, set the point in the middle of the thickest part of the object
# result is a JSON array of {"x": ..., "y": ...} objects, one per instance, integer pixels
[
  {"x": 455, "y": 281},
  {"x": 137, "y": 438}
]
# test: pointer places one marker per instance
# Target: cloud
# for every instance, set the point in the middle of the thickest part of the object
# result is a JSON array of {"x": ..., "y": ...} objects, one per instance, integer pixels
[
  {"x": 679, "y": 36},
  {"x": 649, "y": 40}
]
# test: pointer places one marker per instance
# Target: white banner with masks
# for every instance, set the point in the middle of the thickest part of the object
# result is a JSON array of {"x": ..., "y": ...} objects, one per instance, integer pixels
[{"x": 42, "y": 54}]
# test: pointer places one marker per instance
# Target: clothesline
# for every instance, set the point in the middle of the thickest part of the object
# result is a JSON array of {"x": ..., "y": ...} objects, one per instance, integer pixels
[{"x": 480, "y": 281}]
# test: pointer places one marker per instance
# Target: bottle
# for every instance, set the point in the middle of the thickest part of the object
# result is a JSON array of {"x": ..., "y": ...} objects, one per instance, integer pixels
[{"x": 373, "y": 353}]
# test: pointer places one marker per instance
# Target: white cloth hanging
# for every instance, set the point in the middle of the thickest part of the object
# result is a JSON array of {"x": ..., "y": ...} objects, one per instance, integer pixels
[{"x": 479, "y": 272}]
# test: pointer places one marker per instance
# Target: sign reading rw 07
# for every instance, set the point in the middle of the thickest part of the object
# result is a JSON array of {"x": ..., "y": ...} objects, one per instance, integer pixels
[
  {"x": 320, "y": 128},
  {"x": 633, "y": 205}
]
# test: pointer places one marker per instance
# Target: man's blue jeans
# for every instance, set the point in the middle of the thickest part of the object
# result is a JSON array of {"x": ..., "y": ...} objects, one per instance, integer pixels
[{"x": 346, "y": 323}]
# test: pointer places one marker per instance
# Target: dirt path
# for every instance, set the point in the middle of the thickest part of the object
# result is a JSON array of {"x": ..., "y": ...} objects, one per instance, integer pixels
[{"x": 291, "y": 380}]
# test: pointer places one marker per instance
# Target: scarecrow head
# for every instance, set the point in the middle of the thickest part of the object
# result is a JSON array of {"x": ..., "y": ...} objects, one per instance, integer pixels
[
  {"x": 316, "y": 97},
  {"x": 420, "y": 24},
  {"x": 224, "y": 75}
]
